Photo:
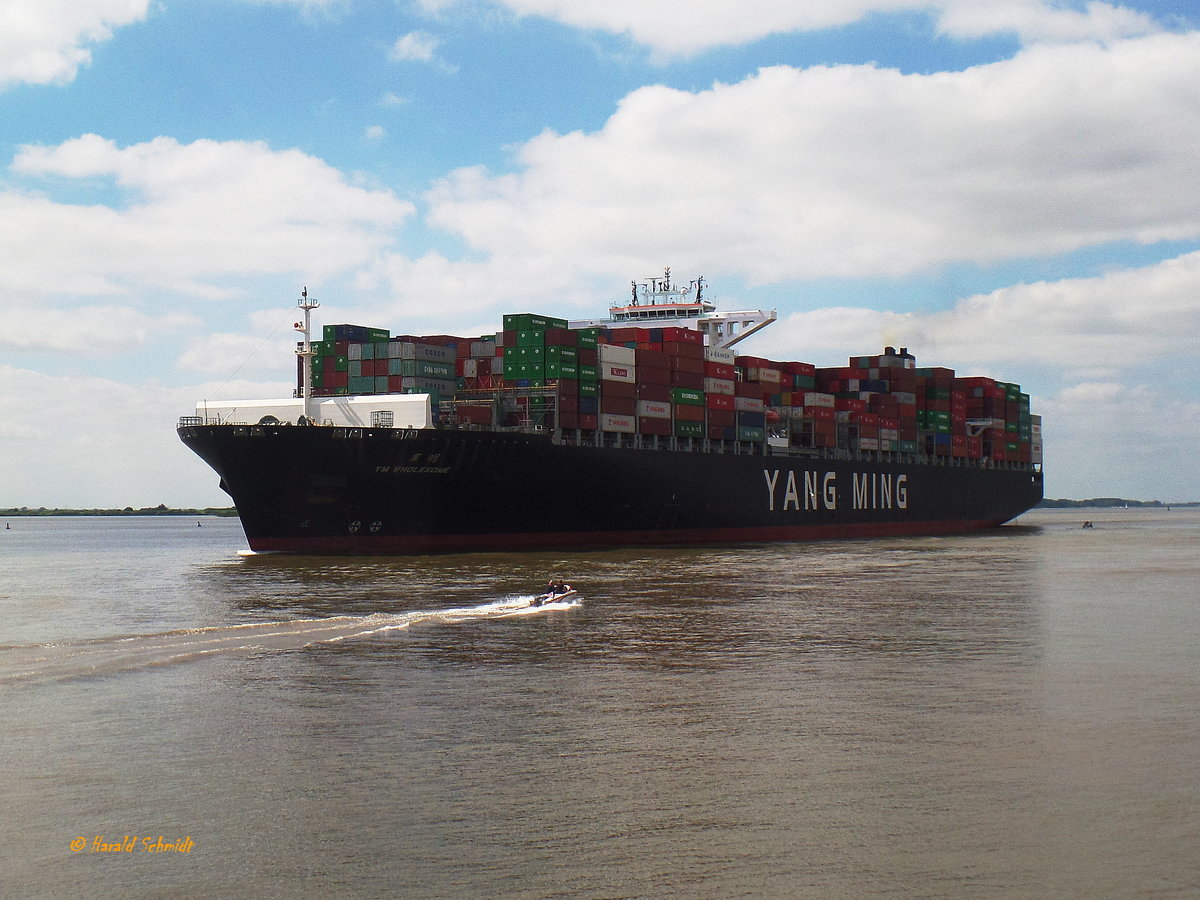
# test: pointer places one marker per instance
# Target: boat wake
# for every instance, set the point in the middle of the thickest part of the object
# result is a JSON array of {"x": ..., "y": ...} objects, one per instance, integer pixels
[{"x": 106, "y": 656}]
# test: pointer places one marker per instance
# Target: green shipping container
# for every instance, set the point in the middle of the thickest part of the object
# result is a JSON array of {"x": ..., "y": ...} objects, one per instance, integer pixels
[
  {"x": 688, "y": 396},
  {"x": 749, "y": 433},
  {"x": 420, "y": 368},
  {"x": 531, "y": 322},
  {"x": 689, "y": 429},
  {"x": 531, "y": 338}
]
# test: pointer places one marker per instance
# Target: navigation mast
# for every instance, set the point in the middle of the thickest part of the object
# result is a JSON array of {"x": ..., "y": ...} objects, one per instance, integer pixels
[{"x": 306, "y": 352}]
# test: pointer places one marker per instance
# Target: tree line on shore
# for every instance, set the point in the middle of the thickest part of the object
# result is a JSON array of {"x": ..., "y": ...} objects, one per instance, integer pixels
[
  {"x": 160, "y": 510},
  {"x": 1109, "y": 503}
]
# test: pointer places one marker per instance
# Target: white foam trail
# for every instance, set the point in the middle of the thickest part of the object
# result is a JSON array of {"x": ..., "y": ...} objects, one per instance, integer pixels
[{"x": 104, "y": 656}]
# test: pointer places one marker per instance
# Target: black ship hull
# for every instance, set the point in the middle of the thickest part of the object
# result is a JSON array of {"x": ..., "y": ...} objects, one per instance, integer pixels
[{"x": 319, "y": 489}]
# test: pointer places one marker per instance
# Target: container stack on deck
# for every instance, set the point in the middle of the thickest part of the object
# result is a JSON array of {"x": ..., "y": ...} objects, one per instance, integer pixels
[{"x": 665, "y": 383}]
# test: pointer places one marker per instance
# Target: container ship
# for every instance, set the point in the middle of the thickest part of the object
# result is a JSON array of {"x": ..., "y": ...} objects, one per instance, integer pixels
[{"x": 648, "y": 427}]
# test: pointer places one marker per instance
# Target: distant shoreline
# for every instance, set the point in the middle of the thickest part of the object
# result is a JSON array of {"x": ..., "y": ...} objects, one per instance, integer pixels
[
  {"x": 26, "y": 511},
  {"x": 1110, "y": 503},
  {"x": 231, "y": 512}
]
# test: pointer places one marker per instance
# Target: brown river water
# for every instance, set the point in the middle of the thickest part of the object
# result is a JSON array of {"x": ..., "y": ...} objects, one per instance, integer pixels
[{"x": 1008, "y": 714}]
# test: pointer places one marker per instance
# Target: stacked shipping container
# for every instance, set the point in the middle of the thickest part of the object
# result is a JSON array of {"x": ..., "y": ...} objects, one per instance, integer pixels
[{"x": 664, "y": 382}]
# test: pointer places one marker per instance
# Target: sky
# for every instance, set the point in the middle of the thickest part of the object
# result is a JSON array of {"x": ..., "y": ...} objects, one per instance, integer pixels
[{"x": 1008, "y": 188}]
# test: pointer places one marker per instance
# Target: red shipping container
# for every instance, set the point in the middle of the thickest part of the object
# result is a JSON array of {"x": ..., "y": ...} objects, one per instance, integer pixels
[
  {"x": 561, "y": 337},
  {"x": 653, "y": 376},
  {"x": 682, "y": 350},
  {"x": 651, "y": 358},
  {"x": 656, "y": 392},
  {"x": 618, "y": 406},
  {"x": 799, "y": 368},
  {"x": 481, "y": 414},
  {"x": 687, "y": 364},
  {"x": 675, "y": 334},
  {"x": 693, "y": 380},
  {"x": 685, "y": 412},
  {"x": 849, "y": 403},
  {"x": 588, "y": 422},
  {"x": 625, "y": 389},
  {"x": 718, "y": 401},
  {"x": 654, "y": 426},
  {"x": 719, "y": 370},
  {"x": 751, "y": 362},
  {"x": 722, "y": 417}
]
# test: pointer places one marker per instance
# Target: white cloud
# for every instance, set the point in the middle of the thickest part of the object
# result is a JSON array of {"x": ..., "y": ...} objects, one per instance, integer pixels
[
  {"x": 854, "y": 171},
  {"x": 684, "y": 29},
  {"x": 416, "y": 46},
  {"x": 1034, "y": 21},
  {"x": 374, "y": 133},
  {"x": 46, "y": 41},
  {"x": 190, "y": 215},
  {"x": 224, "y": 355},
  {"x": 419, "y": 46},
  {"x": 1078, "y": 329},
  {"x": 88, "y": 331}
]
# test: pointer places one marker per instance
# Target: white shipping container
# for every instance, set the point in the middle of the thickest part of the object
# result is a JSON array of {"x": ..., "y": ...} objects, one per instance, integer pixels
[
  {"x": 719, "y": 386},
  {"x": 615, "y": 372},
  {"x": 812, "y": 398},
  {"x": 614, "y": 422},
  {"x": 764, "y": 375},
  {"x": 748, "y": 404},
  {"x": 617, "y": 356},
  {"x": 654, "y": 409},
  {"x": 719, "y": 355}
]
